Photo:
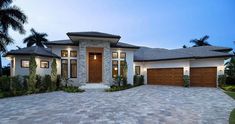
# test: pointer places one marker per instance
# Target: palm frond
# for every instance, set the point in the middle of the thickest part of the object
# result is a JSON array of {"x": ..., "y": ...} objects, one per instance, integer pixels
[
  {"x": 4, "y": 41},
  {"x": 12, "y": 16},
  {"x": 206, "y": 37},
  {"x": 5, "y": 3},
  {"x": 36, "y": 38}
]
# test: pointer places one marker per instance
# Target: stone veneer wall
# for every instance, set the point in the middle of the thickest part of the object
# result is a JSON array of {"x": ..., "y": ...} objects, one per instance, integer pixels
[{"x": 82, "y": 61}]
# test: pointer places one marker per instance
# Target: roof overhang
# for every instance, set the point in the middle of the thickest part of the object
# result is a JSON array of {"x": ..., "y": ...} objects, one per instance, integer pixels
[{"x": 76, "y": 38}]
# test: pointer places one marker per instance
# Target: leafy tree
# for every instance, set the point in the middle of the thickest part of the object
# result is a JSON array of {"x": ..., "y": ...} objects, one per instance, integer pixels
[
  {"x": 53, "y": 73},
  {"x": 230, "y": 70},
  {"x": 36, "y": 38},
  {"x": 200, "y": 42},
  {"x": 32, "y": 73},
  {"x": 10, "y": 16}
]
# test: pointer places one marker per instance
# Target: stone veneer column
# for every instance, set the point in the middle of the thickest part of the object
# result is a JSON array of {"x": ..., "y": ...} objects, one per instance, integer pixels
[
  {"x": 107, "y": 74},
  {"x": 82, "y": 72}
]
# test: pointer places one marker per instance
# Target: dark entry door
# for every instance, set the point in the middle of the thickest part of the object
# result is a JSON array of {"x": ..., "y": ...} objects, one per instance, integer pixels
[{"x": 95, "y": 67}]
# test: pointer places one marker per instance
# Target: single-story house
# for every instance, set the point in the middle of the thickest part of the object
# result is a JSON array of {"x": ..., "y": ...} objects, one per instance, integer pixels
[{"x": 95, "y": 57}]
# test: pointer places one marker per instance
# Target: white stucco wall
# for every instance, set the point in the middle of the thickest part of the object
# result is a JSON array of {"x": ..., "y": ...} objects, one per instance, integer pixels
[
  {"x": 185, "y": 64},
  {"x": 129, "y": 60},
  {"x": 57, "y": 50},
  {"x": 162, "y": 64},
  {"x": 18, "y": 70}
]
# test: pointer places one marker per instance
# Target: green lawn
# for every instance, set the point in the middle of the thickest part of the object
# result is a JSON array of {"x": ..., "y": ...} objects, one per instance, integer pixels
[{"x": 232, "y": 115}]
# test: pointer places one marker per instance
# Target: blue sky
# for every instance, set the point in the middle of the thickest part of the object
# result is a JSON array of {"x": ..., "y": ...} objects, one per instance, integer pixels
[{"x": 154, "y": 23}]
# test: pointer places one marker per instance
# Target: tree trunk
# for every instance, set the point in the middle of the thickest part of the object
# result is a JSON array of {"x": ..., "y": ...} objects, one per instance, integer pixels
[{"x": 0, "y": 64}]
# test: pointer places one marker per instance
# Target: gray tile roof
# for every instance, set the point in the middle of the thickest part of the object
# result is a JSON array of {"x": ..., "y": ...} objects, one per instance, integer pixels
[
  {"x": 124, "y": 45},
  {"x": 60, "y": 42},
  {"x": 156, "y": 54},
  {"x": 34, "y": 50},
  {"x": 93, "y": 34}
]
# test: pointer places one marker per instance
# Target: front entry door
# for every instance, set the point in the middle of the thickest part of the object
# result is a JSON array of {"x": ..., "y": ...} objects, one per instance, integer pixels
[{"x": 95, "y": 67}]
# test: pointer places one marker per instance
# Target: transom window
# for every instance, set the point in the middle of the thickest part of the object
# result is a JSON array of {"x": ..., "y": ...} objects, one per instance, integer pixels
[
  {"x": 25, "y": 63},
  {"x": 44, "y": 64},
  {"x": 64, "y": 53},
  {"x": 73, "y": 53},
  {"x": 122, "y": 55},
  {"x": 115, "y": 55}
]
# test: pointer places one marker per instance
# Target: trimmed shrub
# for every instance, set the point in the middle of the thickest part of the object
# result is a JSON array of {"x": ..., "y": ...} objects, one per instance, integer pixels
[
  {"x": 5, "y": 85},
  {"x": 72, "y": 89},
  {"x": 138, "y": 80},
  {"x": 40, "y": 84},
  {"x": 229, "y": 88},
  {"x": 32, "y": 73},
  {"x": 124, "y": 81},
  {"x": 221, "y": 80},
  {"x": 17, "y": 87},
  {"x": 58, "y": 82},
  {"x": 186, "y": 80},
  {"x": 47, "y": 81},
  {"x": 53, "y": 74},
  {"x": 25, "y": 82}
]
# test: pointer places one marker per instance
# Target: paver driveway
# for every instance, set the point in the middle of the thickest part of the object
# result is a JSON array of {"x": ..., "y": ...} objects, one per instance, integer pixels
[{"x": 145, "y": 104}]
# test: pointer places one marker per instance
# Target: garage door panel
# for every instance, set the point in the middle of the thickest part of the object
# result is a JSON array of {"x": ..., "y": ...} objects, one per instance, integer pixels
[
  {"x": 165, "y": 76},
  {"x": 203, "y": 77}
]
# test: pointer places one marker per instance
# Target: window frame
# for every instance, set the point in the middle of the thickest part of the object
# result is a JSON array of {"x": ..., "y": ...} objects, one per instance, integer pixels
[
  {"x": 62, "y": 52},
  {"x": 44, "y": 61},
  {"x": 124, "y": 54},
  {"x": 116, "y": 53},
  {"x": 73, "y": 51},
  {"x": 71, "y": 68},
  {"x": 22, "y": 63},
  {"x": 138, "y": 70}
]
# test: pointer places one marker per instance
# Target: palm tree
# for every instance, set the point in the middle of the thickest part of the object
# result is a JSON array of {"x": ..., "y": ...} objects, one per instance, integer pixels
[
  {"x": 10, "y": 16},
  {"x": 200, "y": 42},
  {"x": 36, "y": 38}
]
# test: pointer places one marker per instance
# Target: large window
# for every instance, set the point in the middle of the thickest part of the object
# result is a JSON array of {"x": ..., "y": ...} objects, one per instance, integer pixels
[
  {"x": 25, "y": 63},
  {"x": 73, "y": 68},
  {"x": 122, "y": 55},
  {"x": 115, "y": 55},
  {"x": 64, "y": 53},
  {"x": 137, "y": 70},
  {"x": 122, "y": 65},
  {"x": 64, "y": 68},
  {"x": 73, "y": 53},
  {"x": 115, "y": 68},
  {"x": 44, "y": 64}
]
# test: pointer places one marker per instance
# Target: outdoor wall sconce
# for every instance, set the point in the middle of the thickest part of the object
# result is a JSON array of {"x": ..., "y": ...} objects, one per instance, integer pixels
[{"x": 94, "y": 57}]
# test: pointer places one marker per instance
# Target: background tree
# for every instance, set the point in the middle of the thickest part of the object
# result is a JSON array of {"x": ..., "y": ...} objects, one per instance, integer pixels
[
  {"x": 36, "y": 38},
  {"x": 10, "y": 16},
  {"x": 53, "y": 73},
  {"x": 184, "y": 46},
  {"x": 230, "y": 70},
  {"x": 200, "y": 42},
  {"x": 32, "y": 73}
]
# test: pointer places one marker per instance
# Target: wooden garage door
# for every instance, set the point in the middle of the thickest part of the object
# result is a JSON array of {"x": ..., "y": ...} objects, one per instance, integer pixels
[
  {"x": 165, "y": 76},
  {"x": 203, "y": 77}
]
